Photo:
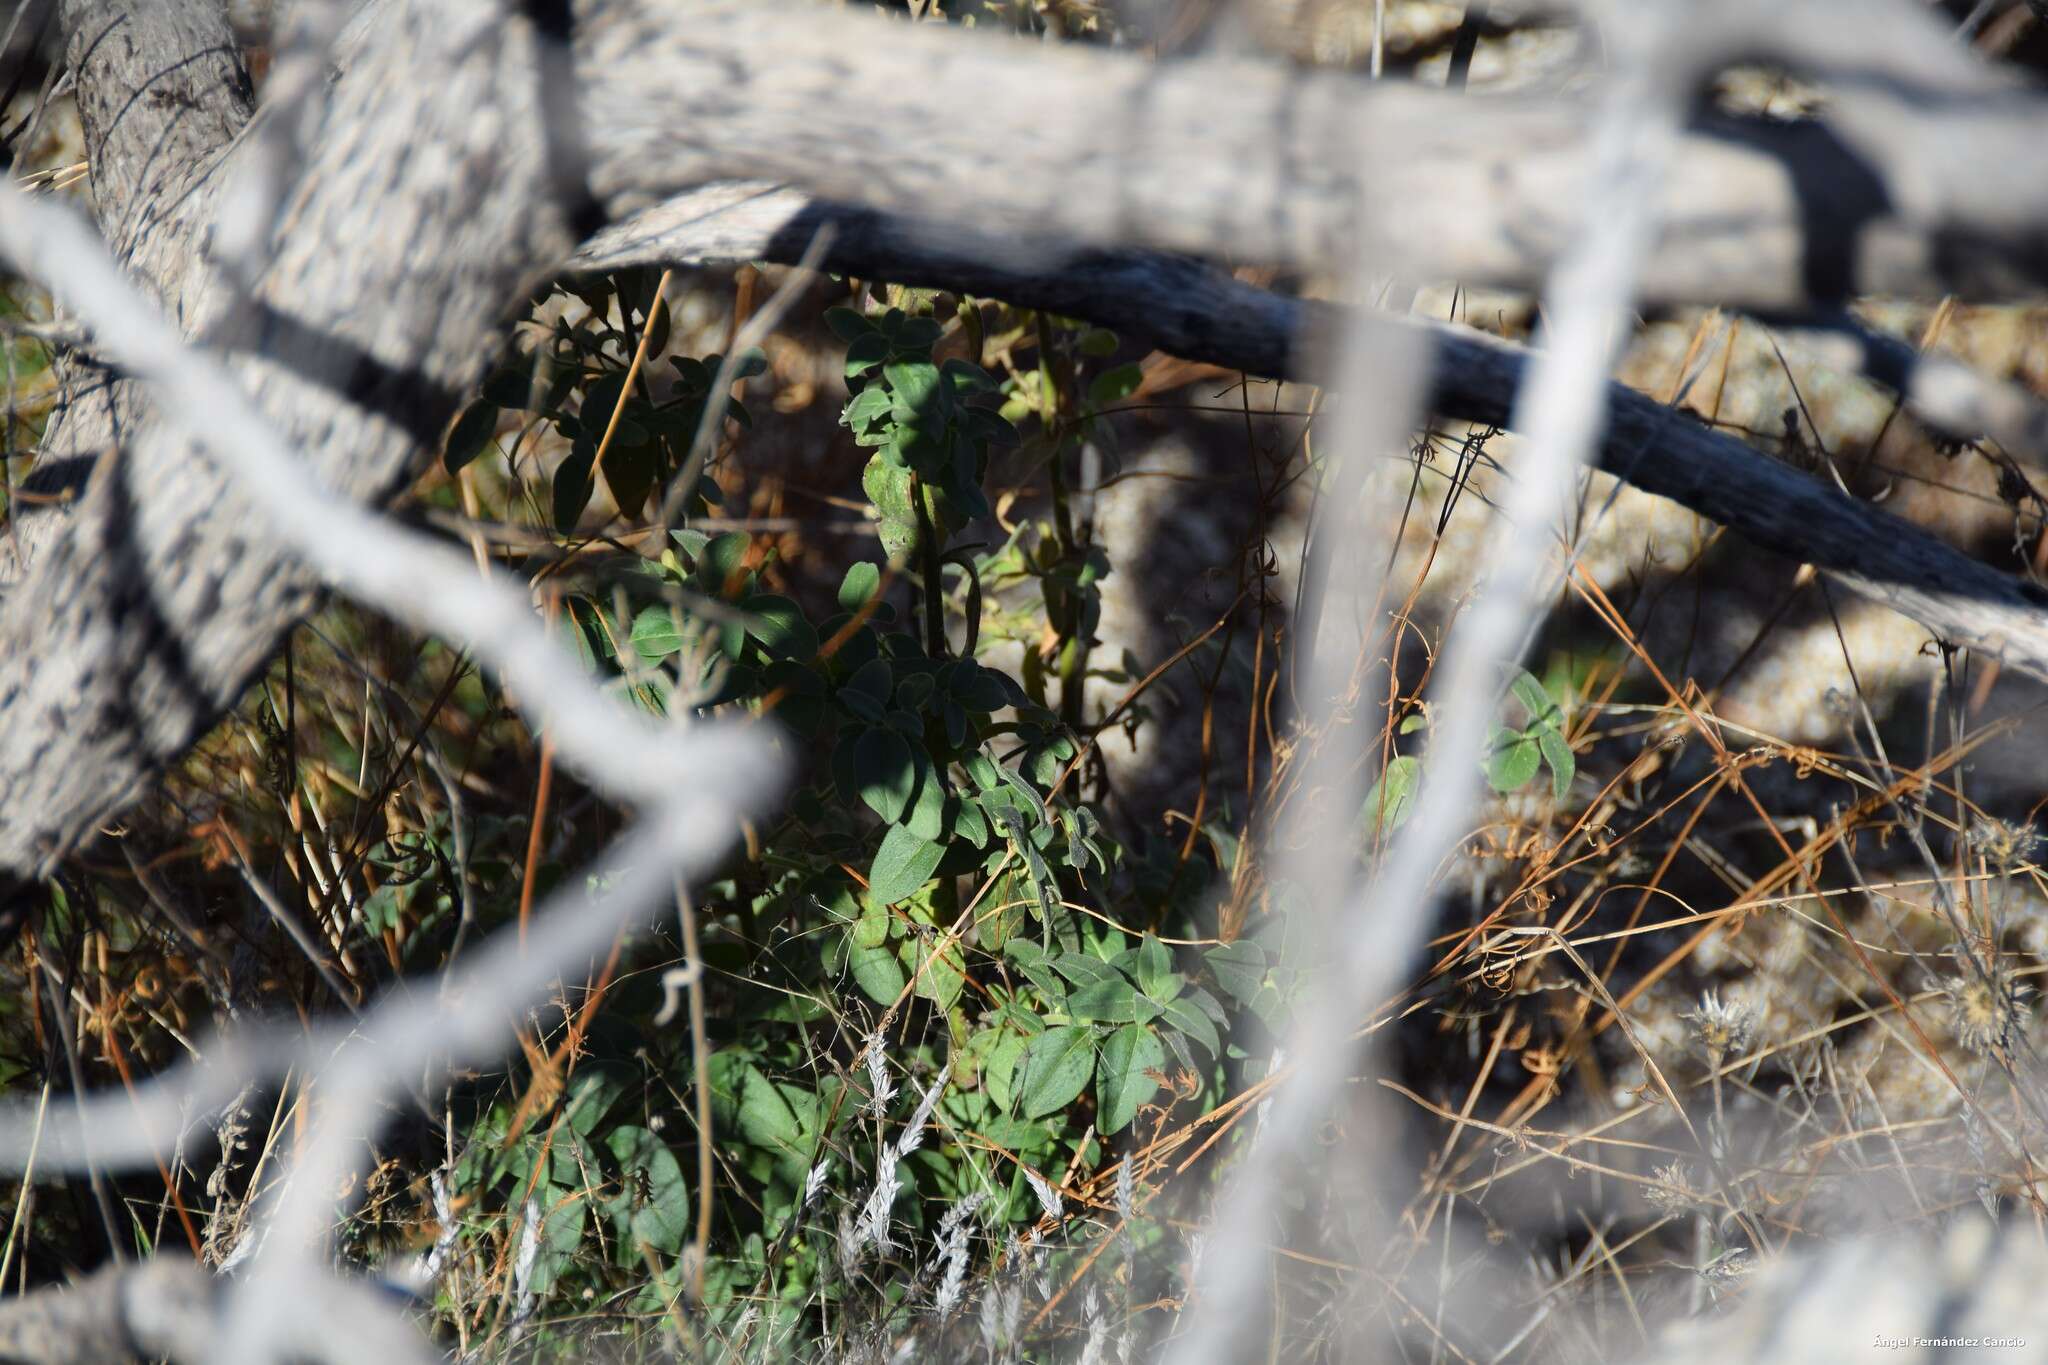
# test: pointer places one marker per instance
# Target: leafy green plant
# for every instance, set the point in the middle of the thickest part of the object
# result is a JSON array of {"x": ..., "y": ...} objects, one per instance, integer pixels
[
  {"x": 1513, "y": 758},
  {"x": 939, "y": 866}
]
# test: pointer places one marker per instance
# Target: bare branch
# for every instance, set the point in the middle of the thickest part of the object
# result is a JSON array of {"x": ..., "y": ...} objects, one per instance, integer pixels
[
  {"x": 1194, "y": 310},
  {"x": 1919, "y": 185},
  {"x": 1371, "y": 936},
  {"x": 127, "y": 1311}
]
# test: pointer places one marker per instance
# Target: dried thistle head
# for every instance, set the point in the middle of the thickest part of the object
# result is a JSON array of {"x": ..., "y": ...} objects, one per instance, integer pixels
[
  {"x": 1673, "y": 1191},
  {"x": 1721, "y": 1028},
  {"x": 1986, "y": 1012},
  {"x": 2006, "y": 845}
]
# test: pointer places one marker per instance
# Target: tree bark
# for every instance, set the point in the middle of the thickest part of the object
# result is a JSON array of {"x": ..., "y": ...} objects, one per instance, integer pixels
[
  {"x": 1925, "y": 181},
  {"x": 460, "y": 157},
  {"x": 425, "y": 207},
  {"x": 160, "y": 1308}
]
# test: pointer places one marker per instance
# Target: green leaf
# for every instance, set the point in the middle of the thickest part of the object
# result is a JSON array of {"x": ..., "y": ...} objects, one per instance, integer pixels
[
  {"x": 653, "y": 1207},
  {"x": 1392, "y": 798},
  {"x": 873, "y": 680},
  {"x": 847, "y": 325},
  {"x": 943, "y": 977},
  {"x": 582, "y": 636},
  {"x": 1084, "y": 970},
  {"x": 1099, "y": 343},
  {"x": 1240, "y": 968},
  {"x": 572, "y": 490},
  {"x": 656, "y": 633},
  {"x": 977, "y": 689},
  {"x": 749, "y": 363},
  {"x": 1155, "y": 969},
  {"x": 664, "y": 327},
  {"x": 871, "y": 930},
  {"x": 927, "y": 817},
  {"x": 902, "y": 865},
  {"x": 920, "y": 446},
  {"x": 592, "y": 1093},
  {"x": 1113, "y": 386},
  {"x": 693, "y": 373},
  {"x": 1184, "y": 1015},
  {"x": 1558, "y": 755},
  {"x": 1123, "y": 1083},
  {"x": 888, "y": 487},
  {"x": 885, "y": 773},
  {"x": 1056, "y": 1067},
  {"x": 967, "y": 379},
  {"x": 970, "y": 824},
  {"x": 1113, "y": 1000},
  {"x": 1537, "y": 702},
  {"x": 865, "y": 410},
  {"x": 983, "y": 771},
  {"x": 719, "y": 566},
  {"x": 509, "y": 388},
  {"x": 471, "y": 435},
  {"x": 858, "y": 586},
  {"x": 563, "y": 1215},
  {"x": 779, "y": 625},
  {"x": 863, "y": 353},
  {"x": 1032, "y": 801},
  {"x": 914, "y": 691},
  {"x": 1037, "y": 969},
  {"x": 631, "y": 467},
  {"x": 600, "y": 400},
  {"x": 1513, "y": 761},
  {"x": 1001, "y": 1069},
  {"x": 876, "y": 971},
  {"x": 863, "y": 706},
  {"x": 766, "y": 1117},
  {"x": 915, "y": 384}
]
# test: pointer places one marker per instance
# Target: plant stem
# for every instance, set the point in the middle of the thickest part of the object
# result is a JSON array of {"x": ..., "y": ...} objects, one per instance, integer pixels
[
  {"x": 1072, "y": 656},
  {"x": 931, "y": 565}
]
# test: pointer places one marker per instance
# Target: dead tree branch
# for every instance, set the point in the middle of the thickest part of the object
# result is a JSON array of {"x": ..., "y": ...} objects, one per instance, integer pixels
[{"x": 448, "y": 176}]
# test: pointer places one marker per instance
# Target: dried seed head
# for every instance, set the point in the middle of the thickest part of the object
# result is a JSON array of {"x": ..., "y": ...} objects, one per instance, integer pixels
[
  {"x": 1048, "y": 1196},
  {"x": 523, "y": 1264},
  {"x": 2004, "y": 845},
  {"x": 873, "y": 1227},
  {"x": 1673, "y": 1192},
  {"x": 1986, "y": 1015},
  {"x": 1720, "y": 1027},
  {"x": 881, "y": 1089},
  {"x": 1098, "y": 1329},
  {"x": 913, "y": 1134},
  {"x": 815, "y": 1182},
  {"x": 953, "y": 1233}
]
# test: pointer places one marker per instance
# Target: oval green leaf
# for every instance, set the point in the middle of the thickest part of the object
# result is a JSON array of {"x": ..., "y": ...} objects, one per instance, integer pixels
[
  {"x": 1392, "y": 798},
  {"x": 1124, "y": 1082},
  {"x": 885, "y": 773},
  {"x": 902, "y": 865},
  {"x": 1056, "y": 1068}
]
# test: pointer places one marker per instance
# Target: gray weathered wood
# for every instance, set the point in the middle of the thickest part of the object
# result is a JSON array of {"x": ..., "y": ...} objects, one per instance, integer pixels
[
  {"x": 426, "y": 208},
  {"x": 158, "y": 1308},
  {"x": 440, "y": 187},
  {"x": 1926, "y": 181},
  {"x": 1194, "y": 310}
]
